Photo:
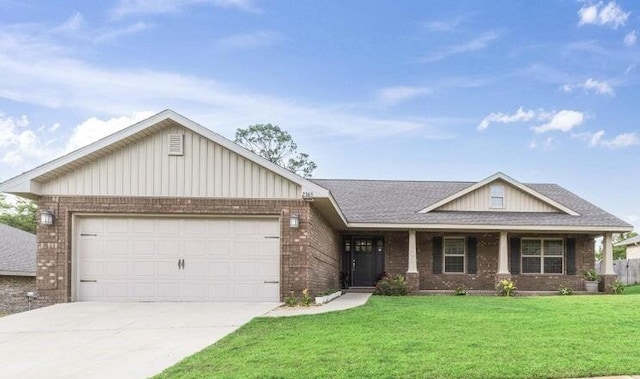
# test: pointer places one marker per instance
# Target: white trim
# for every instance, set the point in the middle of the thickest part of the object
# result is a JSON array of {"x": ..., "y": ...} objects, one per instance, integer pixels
[
  {"x": 492, "y": 178},
  {"x": 25, "y": 183},
  {"x": 470, "y": 227},
  {"x": 16, "y": 273}
]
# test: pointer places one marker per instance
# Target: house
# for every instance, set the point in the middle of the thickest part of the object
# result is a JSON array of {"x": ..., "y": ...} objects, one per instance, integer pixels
[
  {"x": 633, "y": 247},
  {"x": 17, "y": 268},
  {"x": 167, "y": 210}
]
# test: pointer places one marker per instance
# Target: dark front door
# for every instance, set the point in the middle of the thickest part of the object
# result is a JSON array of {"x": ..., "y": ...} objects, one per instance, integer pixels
[{"x": 367, "y": 261}]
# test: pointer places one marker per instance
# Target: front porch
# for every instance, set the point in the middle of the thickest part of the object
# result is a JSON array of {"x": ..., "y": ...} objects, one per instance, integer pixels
[{"x": 443, "y": 261}]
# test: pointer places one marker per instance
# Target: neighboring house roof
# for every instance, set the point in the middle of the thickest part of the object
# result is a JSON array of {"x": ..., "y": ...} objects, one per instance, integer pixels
[
  {"x": 368, "y": 203},
  {"x": 17, "y": 252},
  {"x": 629, "y": 241}
]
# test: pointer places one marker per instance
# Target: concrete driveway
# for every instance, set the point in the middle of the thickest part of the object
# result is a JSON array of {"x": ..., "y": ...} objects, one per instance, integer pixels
[{"x": 114, "y": 340}]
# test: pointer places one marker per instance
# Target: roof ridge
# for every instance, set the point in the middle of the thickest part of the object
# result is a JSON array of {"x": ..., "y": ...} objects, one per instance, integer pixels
[{"x": 396, "y": 180}]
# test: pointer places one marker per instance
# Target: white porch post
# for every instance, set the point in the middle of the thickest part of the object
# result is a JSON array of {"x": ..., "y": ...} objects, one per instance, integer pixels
[
  {"x": 607, "y": 259},
  {"x": 413, "y": 262},
  {"x": 503, "y": 255}
]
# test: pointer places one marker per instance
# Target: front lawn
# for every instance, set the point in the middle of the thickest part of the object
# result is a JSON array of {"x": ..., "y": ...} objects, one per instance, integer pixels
[
  {"x": 632, "y": 290},
  {"x": 435, "y": 337}
]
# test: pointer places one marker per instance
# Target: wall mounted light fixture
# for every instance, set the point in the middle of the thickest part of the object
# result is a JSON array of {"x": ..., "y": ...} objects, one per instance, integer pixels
[
  {"x": 46, "y": 218},
  {"x": 294, "y": 221}
]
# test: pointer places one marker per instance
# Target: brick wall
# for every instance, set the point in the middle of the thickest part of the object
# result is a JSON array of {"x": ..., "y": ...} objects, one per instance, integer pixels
[
  {"x": 585, "y": 259},
  {"x": 487, "y": 258},
  {"x": 13, "y": 293},
  {"x": 53, "y": 277},
  {"x": 396, "y": 262},
  {"x": 325, "y": 254}
]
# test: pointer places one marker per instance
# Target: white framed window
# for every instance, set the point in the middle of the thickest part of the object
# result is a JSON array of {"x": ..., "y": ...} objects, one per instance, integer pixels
[
  {"x": 542, "y": 255},
  {"x": 497, "y": 196},
  {"x": 454, "y": 255}
]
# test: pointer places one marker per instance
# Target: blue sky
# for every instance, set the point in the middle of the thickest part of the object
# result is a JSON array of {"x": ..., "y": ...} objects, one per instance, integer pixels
[{"x": 544, "y": 91}]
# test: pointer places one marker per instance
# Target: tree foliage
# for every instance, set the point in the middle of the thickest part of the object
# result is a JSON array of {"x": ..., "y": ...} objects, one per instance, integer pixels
[
  {"x": 21, "y": 214},
  {"x": 277, "y": 146}
]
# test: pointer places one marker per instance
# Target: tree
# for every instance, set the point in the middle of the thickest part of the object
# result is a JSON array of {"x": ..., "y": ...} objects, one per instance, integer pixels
[
  {"x": 277, "y": 146},
  {"x": 21, "y": 214}
]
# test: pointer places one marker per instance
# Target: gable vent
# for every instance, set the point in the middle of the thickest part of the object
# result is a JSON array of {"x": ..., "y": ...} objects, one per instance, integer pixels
[{"x": 176, "y": 144}]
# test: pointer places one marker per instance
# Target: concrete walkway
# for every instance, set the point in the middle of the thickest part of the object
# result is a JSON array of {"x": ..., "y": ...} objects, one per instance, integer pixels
[
  {"x": 346, "y": 301},
  {"x": 114, "y": 340}
]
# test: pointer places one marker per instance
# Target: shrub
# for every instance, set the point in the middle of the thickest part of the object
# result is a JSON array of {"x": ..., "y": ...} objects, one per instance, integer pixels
[
  {"x": 291, "y": 300},
  {"x": 506, "y": 287},
  {"x": 460, "y": 291},
  {"x": 306, "y": 300},
  {"x": 590, "y": 275},
  {"x": 564, "y": 290},
  {"x": 392, "y": 286},
  {"x": 616, "y": 287}
]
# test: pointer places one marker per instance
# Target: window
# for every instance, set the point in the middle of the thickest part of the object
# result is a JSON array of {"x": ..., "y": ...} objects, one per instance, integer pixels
[
  {"x": 542, "y": 256},
  {"x": 497, "y": 196},
  {"x": 454, "y": 255},
  {"x": 363, "y": 246}
]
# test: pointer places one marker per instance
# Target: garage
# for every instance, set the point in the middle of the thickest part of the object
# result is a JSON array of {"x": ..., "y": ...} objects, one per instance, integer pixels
[{"x": 165, "y": 258}]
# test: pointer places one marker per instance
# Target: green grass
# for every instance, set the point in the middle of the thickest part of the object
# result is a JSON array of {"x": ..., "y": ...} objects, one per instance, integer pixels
[
  {"x": 435, "y": 337},
  {"x": 632, "y": 290}
]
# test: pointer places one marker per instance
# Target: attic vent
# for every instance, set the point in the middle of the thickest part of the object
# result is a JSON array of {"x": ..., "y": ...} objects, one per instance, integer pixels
[{"x": 176, "y": 144}]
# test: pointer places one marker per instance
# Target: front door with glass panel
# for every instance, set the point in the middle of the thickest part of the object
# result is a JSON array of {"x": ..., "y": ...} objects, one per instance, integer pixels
[{"x": 365, "y": 256}]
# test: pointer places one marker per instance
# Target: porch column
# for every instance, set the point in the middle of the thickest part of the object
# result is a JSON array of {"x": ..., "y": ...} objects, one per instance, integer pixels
[
  {"x": 607, "y": 259},
  {"x": 503, "y": 255},
  {"x": 413, "y": 261},
  {"x": 413, "y": 277}
]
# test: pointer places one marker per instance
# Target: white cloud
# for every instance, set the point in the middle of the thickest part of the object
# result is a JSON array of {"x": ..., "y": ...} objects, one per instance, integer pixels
[
  {"x": 600, "y": 14},
  {"x": 631, "y": 38},
  {"x": 443, "y": 25},
  {"x": 77, "y": 28},
  {"x": 596, "y": 138},
  {"x": 475, "y": 44},
  {"x": 65, "y": 82},
  {"x": 128, "y": 7},
  {"x": 618, "y": 142},
  {"x": 94, "y": 129},
  {"x": 398, "y": 94},
  {"x": 23, "y": 146},
  {"x": 622, "y": 140},
  {"x": 547, "y": 144},
  {"x": 520, "y": 116},
  {"x": 19, "y": 143},
  {"x": 563, "y": 121},
  {"x": 72, "y": 25},
  {"x": 253, "y": 40},
  {"x": 601, "y": 88},
  {"x": 635, "y": 220}
]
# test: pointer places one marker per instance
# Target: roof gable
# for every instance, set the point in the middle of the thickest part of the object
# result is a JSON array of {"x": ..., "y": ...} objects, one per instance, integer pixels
[
  {"x": 30, "y": 183},
  {"x": 538, "y": 202}
]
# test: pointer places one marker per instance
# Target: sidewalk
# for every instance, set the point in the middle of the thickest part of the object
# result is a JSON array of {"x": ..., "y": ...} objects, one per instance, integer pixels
[{"x": 346, "y": 301}]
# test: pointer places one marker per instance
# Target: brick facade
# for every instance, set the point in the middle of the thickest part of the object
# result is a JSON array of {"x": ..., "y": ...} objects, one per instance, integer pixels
[
  {"x": 396, "y": 262},
  {"x": 303, "y": 252},
  {"x": 310, "y": 255},
  {"x": 325, "y": 255},
  {"x": 13, "y": 293}
]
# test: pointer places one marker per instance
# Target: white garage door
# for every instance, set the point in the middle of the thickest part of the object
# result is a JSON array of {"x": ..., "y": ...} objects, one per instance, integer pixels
[{"x": 177, "y": 259}]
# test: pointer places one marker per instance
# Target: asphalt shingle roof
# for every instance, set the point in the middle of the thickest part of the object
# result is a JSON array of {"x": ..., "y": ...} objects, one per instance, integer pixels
[
  {"x": 17, "y": 250},
  {"x": 398, "y": 202}
]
